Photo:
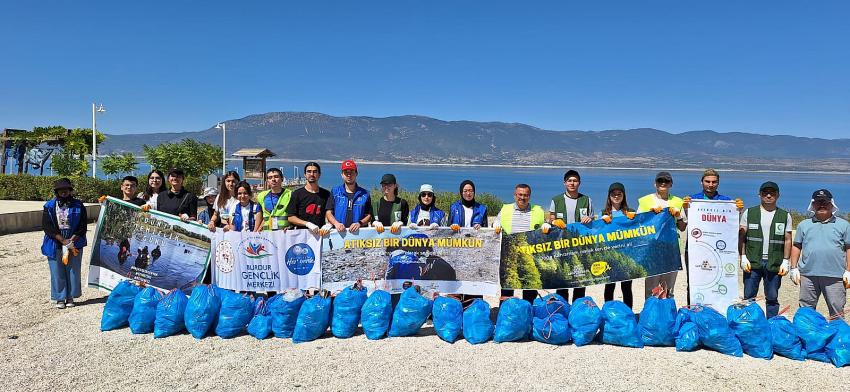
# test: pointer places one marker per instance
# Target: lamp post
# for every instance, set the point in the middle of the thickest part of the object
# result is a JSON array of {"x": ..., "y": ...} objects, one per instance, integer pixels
[
  {"x": 94, "y": 111},
  {"x": 223, "y": 128}
]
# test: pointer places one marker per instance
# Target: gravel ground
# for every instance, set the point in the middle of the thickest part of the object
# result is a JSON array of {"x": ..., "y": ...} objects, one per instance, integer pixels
[{"x": 47, "y": 349}]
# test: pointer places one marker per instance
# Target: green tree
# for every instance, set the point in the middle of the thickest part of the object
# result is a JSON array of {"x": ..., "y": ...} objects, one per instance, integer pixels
[
  {"x": 118, "y": 163},
  {"x": 65, "y": 164},
  {"x": 195, "y": 158}
]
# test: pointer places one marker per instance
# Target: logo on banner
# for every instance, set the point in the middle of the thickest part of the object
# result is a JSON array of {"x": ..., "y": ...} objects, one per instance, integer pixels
[
  {"x": 720, "y": 245},
  {"x": 599, "y": 267},
  {"x": 224, "y": 257},
  {"x": 256, "y": 247},
  {"x": 696, "y": 233},
  {"x": 300, "y": 259}
]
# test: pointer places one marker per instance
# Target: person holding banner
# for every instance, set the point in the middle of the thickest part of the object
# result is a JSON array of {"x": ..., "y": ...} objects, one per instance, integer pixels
[
  {"x": 426, "y": 212},
  {"x": 246, "y": 215},
  {"x": 390, "y": 210},
  {"x": 306, "y": 208},
  {"x": 156, "y": 185},
  {"x": 224, "y": 201},
  {"x": 466, "y": 212},
  {"x": 129, "y": 184},
  {"x": 178, "y": 201},
  {"x": 274, "y": 200},
  {"x": 616, "y": 206},
  {"x": 765, "y": 246},
  {"x": 570, "y": 207},
  {"x": 64, "y": 222},
  {"x": 350, "y": 206},
  {"x": 824, "y": 241},
  {"x": 517, "y": 217},
  {"x": 657, "y": 202}
]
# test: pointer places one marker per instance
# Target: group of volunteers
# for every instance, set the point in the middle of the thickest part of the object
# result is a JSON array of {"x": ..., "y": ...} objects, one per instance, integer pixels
[{"x": 817, "y": 258}]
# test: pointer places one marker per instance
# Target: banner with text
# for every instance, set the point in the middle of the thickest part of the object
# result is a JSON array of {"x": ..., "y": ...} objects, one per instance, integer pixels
[
  {"x": 713, "y": 252},
  {"x": 266, "y": 261},
  {"x": 152, "y": 247},
  {"x": 588, "y": 254},
  {"x": 464, "y": 262}
]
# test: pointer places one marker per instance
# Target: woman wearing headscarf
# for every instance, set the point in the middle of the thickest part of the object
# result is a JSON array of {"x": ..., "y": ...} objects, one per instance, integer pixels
[
  {"x": 466, "y": 212},
  {"x": 426, "y": 212}
]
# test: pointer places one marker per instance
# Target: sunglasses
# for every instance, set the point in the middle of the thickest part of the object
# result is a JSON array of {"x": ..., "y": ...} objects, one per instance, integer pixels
[
  {"x": 662, "y": 181},
  {"x": 424, "y": 194}
]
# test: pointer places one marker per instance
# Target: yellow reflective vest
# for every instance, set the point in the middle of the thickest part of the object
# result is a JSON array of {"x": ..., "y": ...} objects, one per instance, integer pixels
[
  {"x": 506, "y": 216},
  {"x": 277, "y": 212}
]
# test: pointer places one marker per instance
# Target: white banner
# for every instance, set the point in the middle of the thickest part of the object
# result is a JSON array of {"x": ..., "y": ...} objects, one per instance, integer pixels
[
  {"x": 713, "y": 253},
  {"x": 266, "y": 261}
]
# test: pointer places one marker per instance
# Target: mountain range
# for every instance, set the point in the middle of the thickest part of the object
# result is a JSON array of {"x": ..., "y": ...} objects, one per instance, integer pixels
[{"x": 420, "y": 139}]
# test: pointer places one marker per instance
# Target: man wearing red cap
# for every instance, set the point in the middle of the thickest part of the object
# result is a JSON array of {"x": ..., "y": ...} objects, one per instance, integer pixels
[{"x": 349, "y": 206}]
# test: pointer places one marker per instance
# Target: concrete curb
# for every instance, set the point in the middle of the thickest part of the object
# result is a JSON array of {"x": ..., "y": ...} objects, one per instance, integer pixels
[{"x": 24, "y": 221}]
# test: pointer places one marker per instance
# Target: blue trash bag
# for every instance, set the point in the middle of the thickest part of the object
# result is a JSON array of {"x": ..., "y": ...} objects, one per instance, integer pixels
[
  {"x": 687, "y": 337},
  {"x": 376, "y": 314},
  {"x": 236, "y": 312},
  {"x": 514, "y": 321},
  {"x": 169, "y": 314},
  {"x": 202, "y": 311},
  {"x": 448, "y": 318},
  {"x": 657, "y": 320},
  {"x": 119, "y": 305},
  {"x": 714, "y": 331},
  {"x": 314, "y": 317},
  {"x": 585, "y": 320},
  {"x": 284, "y": 309},
  {"x": 477, "y": 326},
  {"x": 551, "y": 320},
  {"x": 260, "y": 326},
  {"x": 784, "y": 339},
  {"x": 814, "y": 331},
  {"x": 838, "y": 348},
  {"x": 346, "y": 311},
  {"x": 619, "y": 326},
  {"x": 143, "y": 316},
  {"x": 750, "y": 326},
  {"x": 410, "y": 314}
]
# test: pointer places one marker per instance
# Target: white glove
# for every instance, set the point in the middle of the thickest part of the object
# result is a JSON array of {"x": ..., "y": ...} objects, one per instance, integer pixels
[
  {"x": 745, "y": 263},
  {"x": 379, "y": 227},
  {"x": 435, "y": 225},
  {"x": 846, "y": 279},
  {"x": 795, "y": 275},
  {"x": 545, "y": 227},
  {"x": 412, "y": 225},
  {"x": 312, "y": 227},
  {"x": 783, "y": 269}
]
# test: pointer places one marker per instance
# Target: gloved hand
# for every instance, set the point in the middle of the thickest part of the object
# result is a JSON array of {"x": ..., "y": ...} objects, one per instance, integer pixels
[
  {"x": 497, "y": 227},
  {"x": 455, "y": 227},
  {"x": 559, "y": 223},
  {"x": 783, "y": 269},
  {"x": 101, "y": 199},
  {"x": 795, "y": 276},
  {"x": 146, "y": 207},
  {"x": 846, "y": 279},
  {"x": 434, "y": 225},
  {"x": 630, "y": 214},
  {"x": 739, "y": 204},
  {"x": 657, "y": 210},
  {"x": 395, "y": 227},
  {"x": 184, "y": 217},
  {"x": 745, "y": 263},
  {"x": 312, "y": 227},
  {"x": 686, "y": 201},
  {"x": 674, "y": 211},
  {"x": 606, "y": 218},
  {"x": 379, "y": 227},
  {"x": 324, "y": 230},
  {"x": 545, "y": 227},
  {"x": 412, "y": 225}
]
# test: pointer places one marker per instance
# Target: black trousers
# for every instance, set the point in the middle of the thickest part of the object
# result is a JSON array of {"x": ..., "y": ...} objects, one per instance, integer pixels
[
  {"x": 578, "y": 292},
  {"x": 528, "y": 295},
  {"x": 625, "y": 286}
]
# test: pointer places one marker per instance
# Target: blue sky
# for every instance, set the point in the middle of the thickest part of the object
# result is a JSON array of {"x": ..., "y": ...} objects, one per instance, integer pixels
[{"x": 774, "y": 67}]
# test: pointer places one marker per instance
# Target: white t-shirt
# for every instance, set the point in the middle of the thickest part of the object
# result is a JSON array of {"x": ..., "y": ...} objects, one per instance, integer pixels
[
  {"x": 467, "y": 216},
  {"x": 151, "y": 202},
  {"x": 228, "y": 205},
  {"x": 423, "y": 215},
  {"x": 570, "y": 205},
  {"x": 766, "y": 220}
]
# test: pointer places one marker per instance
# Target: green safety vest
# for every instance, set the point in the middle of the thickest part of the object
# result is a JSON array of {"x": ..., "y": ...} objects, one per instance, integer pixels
[
  {"x": 395, "y": 213},
  {"x": 776, "y": 241},
  {"x": 507, "y": 217},
  {"x": 582, "y": 202},
  {"x": 278, "y": 212}
]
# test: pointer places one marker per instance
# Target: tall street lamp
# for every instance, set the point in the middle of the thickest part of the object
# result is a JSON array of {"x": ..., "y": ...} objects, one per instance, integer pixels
[
  {"x": 223, "y": 128},
  {"x": 94, "y": 111}
]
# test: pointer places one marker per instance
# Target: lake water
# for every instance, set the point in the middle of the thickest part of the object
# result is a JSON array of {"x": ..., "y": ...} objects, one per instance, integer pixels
[{"x": 795, "y": 193}]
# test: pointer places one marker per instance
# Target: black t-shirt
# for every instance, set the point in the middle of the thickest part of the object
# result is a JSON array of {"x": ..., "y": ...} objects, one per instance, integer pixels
[
  {"x": 385, "y": 209},
  {"x": 182, "y": 202},
  {"x": 136, "y": 201},
  {"x": 308, "y": 206}
]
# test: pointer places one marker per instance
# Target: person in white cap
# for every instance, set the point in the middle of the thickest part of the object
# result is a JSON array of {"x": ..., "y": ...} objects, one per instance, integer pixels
[
  {"x": 824, "y": 241},
  {"x": 209, "y": 196},
  {"x": 426, "y": 212}
]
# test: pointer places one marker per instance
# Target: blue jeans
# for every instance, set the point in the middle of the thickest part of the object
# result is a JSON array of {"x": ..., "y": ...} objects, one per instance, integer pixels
[
  {"x": 772, "y": 281},
  {"x": 65, "y": 279}
]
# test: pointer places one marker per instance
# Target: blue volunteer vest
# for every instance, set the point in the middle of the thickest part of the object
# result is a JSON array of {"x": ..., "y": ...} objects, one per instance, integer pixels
[
  {"x": 361, "y": 196},
  {"x": 49, "y": 245}
]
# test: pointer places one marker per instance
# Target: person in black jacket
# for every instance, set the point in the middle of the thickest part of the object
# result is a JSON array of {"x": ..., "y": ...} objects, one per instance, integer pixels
[
  {"x": 178, "y": 201},
  {"x": 64, "y": 222}
]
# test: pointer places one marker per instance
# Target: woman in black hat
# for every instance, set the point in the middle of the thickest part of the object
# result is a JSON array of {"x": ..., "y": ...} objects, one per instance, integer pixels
[
  {"x": 64, "y": 222},
  {"x": 616, "y": 205}
]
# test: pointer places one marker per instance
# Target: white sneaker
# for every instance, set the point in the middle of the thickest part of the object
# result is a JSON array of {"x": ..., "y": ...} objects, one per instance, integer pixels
[
  {"x": 60, "y": 304},
  {"x": 69, "y": 303}
]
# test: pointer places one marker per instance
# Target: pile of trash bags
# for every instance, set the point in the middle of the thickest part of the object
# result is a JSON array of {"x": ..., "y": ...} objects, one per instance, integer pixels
[{"x": 551, "y": 319}]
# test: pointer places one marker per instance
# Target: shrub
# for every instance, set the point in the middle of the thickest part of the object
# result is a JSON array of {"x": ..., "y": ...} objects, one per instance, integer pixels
[{"x": 87, "y": 189}]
